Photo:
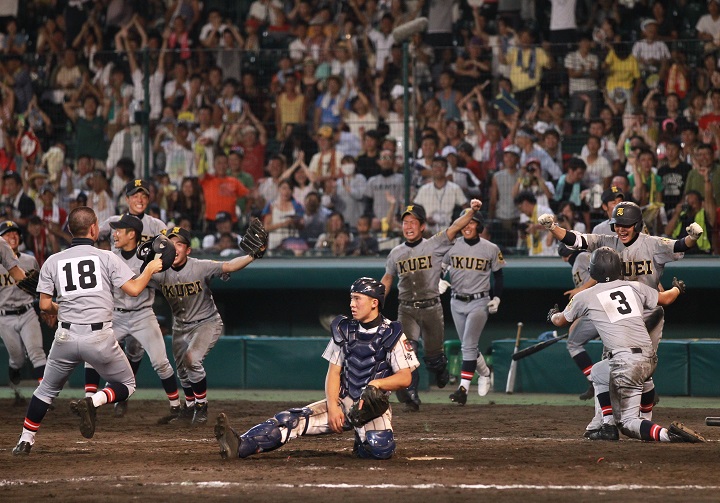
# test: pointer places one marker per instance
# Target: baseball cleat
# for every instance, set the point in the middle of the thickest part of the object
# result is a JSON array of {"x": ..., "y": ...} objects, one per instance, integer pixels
[
  {"x": 120, "y": 408},
  {"x": 173, "y": 415},
  {"x": 22, "y": 449},
  {"x": 606, "y": 432},
  {"x": 589, "y": 393},
  {"x": 184, "y": 416},
  {"x": 410, "y": 398},
  {"x": 678, "y": 432},
  {"x": 87, "y": 412},
  {"x": 226, "y": 437},
  {"x": 459, "y": 396},
  {"x": 483, "y": 385},
  {"x": 200, "y": 416}
]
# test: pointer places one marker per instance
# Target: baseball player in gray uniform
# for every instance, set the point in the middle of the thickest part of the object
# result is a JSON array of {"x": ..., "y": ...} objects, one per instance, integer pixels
[
  {"x": 367, "y": 350},
  {"x": 82, "y": 278},
  {"x": 19, "y": 325},
  {"x": 196, "y": 322},
  {"x": 469, "y": 264},
  {"x": 418, "y": 265},
  {"x": 643, "y": 258},
  {"x": 615, "y": 307},
  {"x": 134, "y": 316}
]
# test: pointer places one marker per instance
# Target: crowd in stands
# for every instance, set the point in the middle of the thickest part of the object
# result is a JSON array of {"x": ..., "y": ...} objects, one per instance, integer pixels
[{"x": 293, "y": 112}]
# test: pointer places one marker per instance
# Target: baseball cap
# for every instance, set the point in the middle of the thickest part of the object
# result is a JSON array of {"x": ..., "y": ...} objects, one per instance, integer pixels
[
  {"x": 611, "y": 194},
  {"x": 128, "y": 221},
  {"x": 512, "y": 149},
  {"x": 325, "y": 132},
  {"x": 532, "y": 160},
  {"x": 47, "y": 188},
  {"x": 646, "y": 23},
  {"x": 415, "y": 210},
  {"x": 222, "y": 216},
  {"x": 181, "y": 233},
  {"x": 135, "y": 186},
  {"x": 9, "y": 225}
]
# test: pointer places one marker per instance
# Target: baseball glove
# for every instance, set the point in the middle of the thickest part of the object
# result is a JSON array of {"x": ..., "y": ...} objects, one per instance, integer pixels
[
  {"x": 255, "y": 240},
  {"x": 553, "y": 310},
  {"x": 371, "y": 404},
  {"x": 680, "y": 284},
  {"x": 30, "y": 282}
]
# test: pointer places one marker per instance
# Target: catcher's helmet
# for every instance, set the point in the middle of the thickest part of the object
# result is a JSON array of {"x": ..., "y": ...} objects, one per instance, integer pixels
[
  {"x": 605, "y": 265},
  {"x": 370, "y": 287},
  {"x": 627, "y": 214},
  {"x": 159, "y": 246},
  {"x": 9, "y": 225}
]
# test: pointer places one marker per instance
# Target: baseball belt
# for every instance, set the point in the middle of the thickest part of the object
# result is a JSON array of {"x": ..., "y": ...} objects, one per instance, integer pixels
[
  {"x": 19, "y": 310},
  {"x": 624, "y": 350},
  {"x": 93, "y": 326},
  {"x": 468, "y": 297},
  {"x": 120, "y": 310},
  {"x": 420, "y": 303}
]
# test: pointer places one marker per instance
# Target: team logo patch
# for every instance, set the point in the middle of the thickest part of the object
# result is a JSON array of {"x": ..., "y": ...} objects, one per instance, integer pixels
[
  {"x": 408, "y": 346},
  {"x": 620, "y": 212},
  {"x": 138, "y": 183},
  {"x": 500, "y": 257}
]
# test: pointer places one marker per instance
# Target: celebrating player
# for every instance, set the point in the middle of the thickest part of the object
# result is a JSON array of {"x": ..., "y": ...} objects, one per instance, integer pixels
[
  {"x": 134, "y": 316},
  {"x": 469, "y": 263},
  {"x": 196, "y": 322},
  {"x": 418, "y": 265},
  {"x": 19, "y": 325},
  {"x": 615, "y": 308},
  {"x": 369, "y": 356},
  {"x": 83, "y": 278}
]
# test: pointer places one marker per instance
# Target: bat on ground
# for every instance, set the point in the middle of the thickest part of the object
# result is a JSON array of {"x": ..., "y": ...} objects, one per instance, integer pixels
[
  {"x": 510, "y": 387},
  {"x": 518, "y": 355}
]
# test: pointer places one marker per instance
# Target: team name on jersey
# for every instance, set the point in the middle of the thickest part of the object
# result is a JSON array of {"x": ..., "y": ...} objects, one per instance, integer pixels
[
  {"x": 6, "y": 280},
  {"x": 577, "y": 279},
  {"x": 637, "y": 268},
  {"x": 470, "y": 263},
  {"x": 181, "y": 290},
  {"x": 414, "y": 264}
]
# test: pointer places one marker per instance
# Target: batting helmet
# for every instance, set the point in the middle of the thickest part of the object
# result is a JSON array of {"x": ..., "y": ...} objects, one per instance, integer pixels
[
  {"x": 605, "y": 265},
  {"x": 9, "y": 225},
  {"x": 370, "y": 287},
  {"x": 627, "y": 214},
  {"x": 158, "y": 247}
]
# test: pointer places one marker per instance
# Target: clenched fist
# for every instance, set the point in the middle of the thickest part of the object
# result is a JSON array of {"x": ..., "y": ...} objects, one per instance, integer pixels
[
  {"x": 547, "y": 221},
  {"x": 443, "y": 286},
  {"x": 493, "y": 305},
  {"x": 694, "y": 230}
]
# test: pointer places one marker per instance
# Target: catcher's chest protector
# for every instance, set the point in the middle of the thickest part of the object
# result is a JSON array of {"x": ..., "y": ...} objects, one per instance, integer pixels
[{"x": 367, "y": 355}]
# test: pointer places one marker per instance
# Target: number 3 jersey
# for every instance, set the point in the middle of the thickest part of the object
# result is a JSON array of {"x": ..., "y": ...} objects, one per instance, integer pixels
[
  {"x": 82, "y": 277},
  {"x": 616, "y": 310}
]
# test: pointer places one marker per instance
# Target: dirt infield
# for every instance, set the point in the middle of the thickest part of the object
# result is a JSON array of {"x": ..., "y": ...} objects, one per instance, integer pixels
[{"x": 445, "y": 453}]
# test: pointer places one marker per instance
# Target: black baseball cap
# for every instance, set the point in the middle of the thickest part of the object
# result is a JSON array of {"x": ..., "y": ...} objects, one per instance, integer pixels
[
  {"x": 415, "y": 210},
  {"x": 222, "y": 216},
  {"x": 133, "y": 186},
  {"x": 128, "y": 221},
  {"x": 611, "y": 194},
  {"x": 7, "y": 226},
  {"x": 181, "y": 233}
]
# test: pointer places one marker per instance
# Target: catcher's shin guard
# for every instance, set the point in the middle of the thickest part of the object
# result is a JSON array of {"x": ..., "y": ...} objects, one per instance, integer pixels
[
  {"x": 378, "y": 444},
  {"x": 268, "y": 436}
]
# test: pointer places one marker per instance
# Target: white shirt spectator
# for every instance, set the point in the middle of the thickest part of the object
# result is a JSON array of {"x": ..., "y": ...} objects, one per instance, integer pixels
[
  {"x": 576, "y": 61},
  {"x": 706, "y": 24},
  {"x": 383, "y": 43},
  {"x": 597, "y": 171},
  {"x": 645, "y": 50},
  {"x": 260, "y": 10},
  {"x": 440, "y": 203},
  {"x": 155, "y": 85}
]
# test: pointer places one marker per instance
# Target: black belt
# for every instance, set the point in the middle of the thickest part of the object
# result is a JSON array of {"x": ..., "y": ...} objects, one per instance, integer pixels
[
  {"x": 93, "y": 326},
  {"x": 420, "y": 303},
  {"x": 120, "y": 310},
  {"x": 623, "y": 350},
  {"x": 467, "y": 298},
  {"x": 10, "y": 312},
  {"x": 198, "y": 321}
]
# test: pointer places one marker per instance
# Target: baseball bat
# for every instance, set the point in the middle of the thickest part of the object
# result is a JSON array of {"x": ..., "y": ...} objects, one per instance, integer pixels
[
  {"x": 537, "y": 347},
  {"x": 510, "y": 386},
  {"x": 712, "y": 421}
]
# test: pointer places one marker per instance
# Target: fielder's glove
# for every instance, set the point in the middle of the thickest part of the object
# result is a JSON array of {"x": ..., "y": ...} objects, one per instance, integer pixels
[
  {"x": 493, "y": 305},
  {"x": 680, "y": 284},
  {"x": 443, "y": 285},
  {"x": 255, "y": 240},
  {"x": 553, "y": 310},
  {"x": 547, "y": 221},
  {"x": 694, "y": 230},
  {"x": 371, "y": 404},
  {"x": 30, "y": 282}
]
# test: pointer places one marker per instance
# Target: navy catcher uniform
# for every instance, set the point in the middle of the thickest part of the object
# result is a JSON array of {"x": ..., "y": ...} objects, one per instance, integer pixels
[
  {"x": 82, "y": 278},
  {"x": 418, "y": 265},
  {"x": 367, "y": 350},
  {"x": 196, "y": 322},
  {"x": 615, "y": 307},
  {"x": 469, "y": 264},
  {"x": 19, "y": 325},
  {"x": 134, "y": 316}
]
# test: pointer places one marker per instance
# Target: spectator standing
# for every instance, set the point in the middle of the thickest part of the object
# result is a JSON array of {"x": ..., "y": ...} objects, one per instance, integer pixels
[
  {"x": 388, "y": 181},
  {"x": 440, "y": 198},
  {"x": 502, "y": 208},
  {"x": 282, "y": 217},
  {"x": 673, "y": 173},
  {"x": 583, "y": 69}
]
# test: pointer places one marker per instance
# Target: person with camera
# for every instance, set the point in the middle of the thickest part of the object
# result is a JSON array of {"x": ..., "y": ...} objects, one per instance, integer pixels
[
  {"x": 532, "y": 180},
  {"x": 536, "y": 238},
  {"x": 698, "y": 209}
]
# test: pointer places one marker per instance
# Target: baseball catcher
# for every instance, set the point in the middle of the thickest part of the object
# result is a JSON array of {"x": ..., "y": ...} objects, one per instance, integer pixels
[
  {"x": 255, "y": 240},
  {"x": 158, "y": 247},
  {"x": 369, "y": 356}
]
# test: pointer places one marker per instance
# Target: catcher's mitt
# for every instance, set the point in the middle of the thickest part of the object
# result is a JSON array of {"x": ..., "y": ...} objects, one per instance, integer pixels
[
  {"x": 30, "y": 282},
  {"x": 553, "y": 310},
  {"x": 680, "y": 284},
  {"x": 255, "y": 240},
  {"x": 371, "y": 404}
]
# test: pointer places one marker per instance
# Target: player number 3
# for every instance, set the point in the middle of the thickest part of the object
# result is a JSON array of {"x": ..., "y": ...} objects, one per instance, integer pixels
[{"x": 620, "y": 298}]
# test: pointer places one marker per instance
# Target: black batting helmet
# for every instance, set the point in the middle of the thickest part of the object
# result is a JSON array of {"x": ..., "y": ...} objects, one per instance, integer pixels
[
  {"x": 605, "y": 265},
  {"x": 158, "y": 247},
  {"x": 370, "y": 287},
  {"x": 477, "y": 217},
  {"x": 627, "y": 214},
  {"x": 9, "y": 225}
]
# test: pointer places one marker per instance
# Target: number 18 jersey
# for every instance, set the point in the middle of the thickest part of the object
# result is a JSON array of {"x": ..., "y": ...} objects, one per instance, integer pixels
[
  {"x": 616, "y": 310},
  {"x": 82, "y": 277}
]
